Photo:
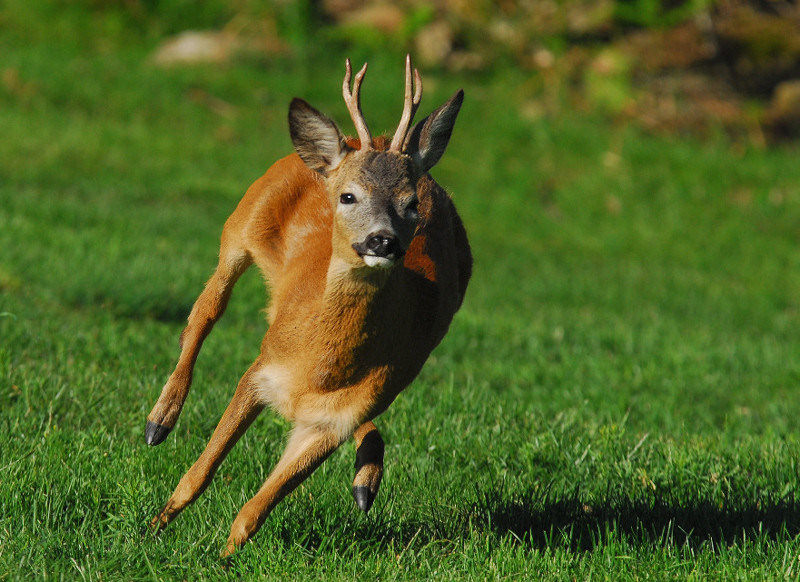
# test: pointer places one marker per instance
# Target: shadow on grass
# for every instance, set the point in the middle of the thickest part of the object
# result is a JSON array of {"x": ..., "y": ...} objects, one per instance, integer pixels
[
  {"x": 569, "y": 522},
  {"x": 164, "y": 307}
]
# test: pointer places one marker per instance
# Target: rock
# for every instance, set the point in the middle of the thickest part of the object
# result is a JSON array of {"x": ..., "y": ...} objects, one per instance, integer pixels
[
  {"x": 680, "y": 47},
  {"x": 383, "y": 17},
  {"x": 760, "y": 43},
  {"x": 255, "y": 37},
  {"x": 542, "y": 59},
  {"x": 689, "y": 103},
  {"x": 507, "y": 33},
  {"x": 466, "y": 61},
  {"x": 434, "y": 43},
  {"x": 781, "y": 121},
  {"x": 196, "y": 47},
  {"x": 594, "y": 19},
  {"x": 337, "y": 9}
]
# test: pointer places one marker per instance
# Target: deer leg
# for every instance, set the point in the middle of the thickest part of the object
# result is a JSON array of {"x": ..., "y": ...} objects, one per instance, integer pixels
[
  {"x": 206, "y": 311},
  {"x": 369, "y": 465},
  {"x": 242, "y": 410},
  {"x": 307, "y": 448}
]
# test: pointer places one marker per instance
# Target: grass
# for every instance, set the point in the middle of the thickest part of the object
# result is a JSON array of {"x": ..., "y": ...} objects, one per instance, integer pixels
[{"x": 615, "y": 400}]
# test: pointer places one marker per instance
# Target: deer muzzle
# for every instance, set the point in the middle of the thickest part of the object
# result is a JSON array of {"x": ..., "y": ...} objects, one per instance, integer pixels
[{"x": 380, "y": 249}]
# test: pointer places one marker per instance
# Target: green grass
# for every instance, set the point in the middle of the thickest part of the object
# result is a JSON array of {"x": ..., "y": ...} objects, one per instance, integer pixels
[{"x": 616, "y": 399}]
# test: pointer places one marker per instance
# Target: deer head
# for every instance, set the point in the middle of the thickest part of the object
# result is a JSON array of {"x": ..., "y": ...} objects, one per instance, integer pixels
[{"x": 372, "y": 189}]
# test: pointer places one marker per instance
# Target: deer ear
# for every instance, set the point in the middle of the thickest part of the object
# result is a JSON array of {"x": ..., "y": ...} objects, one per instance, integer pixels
[
  {"x": 428, "y": 139},
  {"x": 316, "y": 139}
]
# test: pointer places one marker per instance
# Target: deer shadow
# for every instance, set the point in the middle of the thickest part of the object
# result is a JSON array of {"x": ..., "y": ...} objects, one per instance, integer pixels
[
  {"x": 580, "y": 526},
  {"x": 537, "y": 520}
]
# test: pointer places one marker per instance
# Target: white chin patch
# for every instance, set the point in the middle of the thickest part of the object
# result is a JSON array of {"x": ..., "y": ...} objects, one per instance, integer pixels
[{"x": 381, "y": 262}]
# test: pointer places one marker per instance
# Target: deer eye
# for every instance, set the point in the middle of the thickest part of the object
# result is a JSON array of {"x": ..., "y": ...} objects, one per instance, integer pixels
[
  {"x": 412, "y": 208},
  {"x": 347, "y": 198}
]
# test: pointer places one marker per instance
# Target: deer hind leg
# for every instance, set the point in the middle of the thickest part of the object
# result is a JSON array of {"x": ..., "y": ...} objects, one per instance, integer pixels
[
  {"x": 208, "y": 308},
  {"x": 307, "y": 448},
  {"x": 242, "y": 410},
  {"x": 369, "y": 465}
]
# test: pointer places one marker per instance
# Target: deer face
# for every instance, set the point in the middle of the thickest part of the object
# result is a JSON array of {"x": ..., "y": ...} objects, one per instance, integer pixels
[
  {"x": 373, "y": 193},
  {"x": 375, "y": 201}
]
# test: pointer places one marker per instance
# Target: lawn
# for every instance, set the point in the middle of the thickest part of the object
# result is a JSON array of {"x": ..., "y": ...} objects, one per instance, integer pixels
[{"x": 616, "y": 399}]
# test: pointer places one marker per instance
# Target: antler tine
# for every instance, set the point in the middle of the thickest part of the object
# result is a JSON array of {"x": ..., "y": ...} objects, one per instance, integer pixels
[
  {"x": 353, "y": 102},
  {"x": 409, "y": 107}
]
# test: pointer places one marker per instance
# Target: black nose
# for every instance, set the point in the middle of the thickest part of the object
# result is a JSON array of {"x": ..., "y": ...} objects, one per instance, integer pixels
[{"x": 382, "y": 243}]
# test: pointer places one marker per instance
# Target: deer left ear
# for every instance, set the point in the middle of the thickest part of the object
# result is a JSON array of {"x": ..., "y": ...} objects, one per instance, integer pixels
[
  {"x": 429, "y": 138},
  {"x": 316, "y": 138}
]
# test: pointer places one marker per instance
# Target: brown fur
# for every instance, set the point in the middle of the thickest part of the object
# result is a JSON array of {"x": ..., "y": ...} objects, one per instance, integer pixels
[{"x": 343, "y": 339}]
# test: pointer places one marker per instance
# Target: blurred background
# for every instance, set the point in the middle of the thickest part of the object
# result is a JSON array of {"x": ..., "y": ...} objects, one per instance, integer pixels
[{"x": 670, "y": 66}]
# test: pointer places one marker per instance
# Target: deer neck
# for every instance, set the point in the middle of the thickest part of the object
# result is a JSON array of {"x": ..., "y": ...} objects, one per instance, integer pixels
[
  {"x": 347, "y": 325},
  {"x": 351, "y": 291}
]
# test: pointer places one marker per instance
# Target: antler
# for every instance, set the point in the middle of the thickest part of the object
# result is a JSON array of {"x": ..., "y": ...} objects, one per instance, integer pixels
[
  {"x": 409, "y": 108},
  {"x": 353, "y": 101}
]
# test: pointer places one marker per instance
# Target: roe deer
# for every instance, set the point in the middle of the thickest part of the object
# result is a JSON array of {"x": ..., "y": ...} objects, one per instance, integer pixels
[{"x": 367, "y": 260}]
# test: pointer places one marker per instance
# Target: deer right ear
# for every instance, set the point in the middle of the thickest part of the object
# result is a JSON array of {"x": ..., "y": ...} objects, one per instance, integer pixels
[
  {"x": 429, "y": 138},
  {"x": 316, "y": 139}
]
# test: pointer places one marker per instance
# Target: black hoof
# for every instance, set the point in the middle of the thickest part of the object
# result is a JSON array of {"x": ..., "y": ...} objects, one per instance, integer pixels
[
  {"x": 364, "y": 497},
  {"x": 155, "y": 433}
]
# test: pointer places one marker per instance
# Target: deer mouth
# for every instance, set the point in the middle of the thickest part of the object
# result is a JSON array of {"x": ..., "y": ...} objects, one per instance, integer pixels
[
  {"x": 379, "y": 261},
  {"x": 381, "y": 249}
]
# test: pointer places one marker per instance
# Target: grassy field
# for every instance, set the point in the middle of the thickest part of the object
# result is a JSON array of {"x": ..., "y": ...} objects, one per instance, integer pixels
[{"x": 616, "y": 399}]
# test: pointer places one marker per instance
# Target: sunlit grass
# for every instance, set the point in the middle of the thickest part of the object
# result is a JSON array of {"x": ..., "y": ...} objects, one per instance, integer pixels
[{"x": 616, "y": 398}]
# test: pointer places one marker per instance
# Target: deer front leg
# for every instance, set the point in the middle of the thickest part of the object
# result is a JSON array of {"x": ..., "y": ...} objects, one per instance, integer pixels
[
  {"x": 369, "y": 465},
  {"x": 307, "y": 448},
  {"x": 242, "y": 410},
  {"x": 208, "y": 308}
]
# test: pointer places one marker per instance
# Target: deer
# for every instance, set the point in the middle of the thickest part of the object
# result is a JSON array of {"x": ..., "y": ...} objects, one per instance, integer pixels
[{"x": 366, "y": 262}]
